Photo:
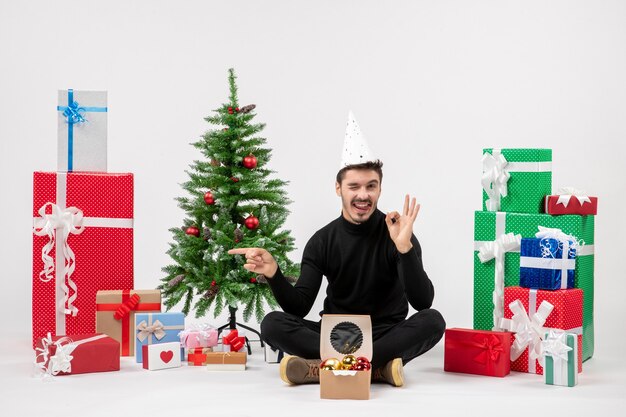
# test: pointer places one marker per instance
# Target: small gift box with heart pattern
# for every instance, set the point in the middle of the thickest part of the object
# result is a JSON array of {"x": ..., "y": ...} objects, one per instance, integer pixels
[{"x": 161, "y": 356}]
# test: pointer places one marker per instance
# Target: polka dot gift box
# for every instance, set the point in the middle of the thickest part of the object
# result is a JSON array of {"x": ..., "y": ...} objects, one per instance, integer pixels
[
  {"x": 516, "y": 180},
  {"x": 82, "y": 243},
  {"x": 489, "y": 226},
  {"x": 526, "y": 314}
]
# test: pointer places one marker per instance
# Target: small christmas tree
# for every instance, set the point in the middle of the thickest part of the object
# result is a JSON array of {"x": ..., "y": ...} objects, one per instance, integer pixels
[{"x": 232, "y": 204}]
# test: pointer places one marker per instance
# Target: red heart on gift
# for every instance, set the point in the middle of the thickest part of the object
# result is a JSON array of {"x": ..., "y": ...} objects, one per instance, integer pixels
[{"x": 167, "y": 356}]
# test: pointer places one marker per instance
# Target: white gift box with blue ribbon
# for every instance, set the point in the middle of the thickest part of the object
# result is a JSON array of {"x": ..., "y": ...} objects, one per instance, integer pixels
[
  {"x": 548, "y": 261},
  {"x": 82, "y": 131}
]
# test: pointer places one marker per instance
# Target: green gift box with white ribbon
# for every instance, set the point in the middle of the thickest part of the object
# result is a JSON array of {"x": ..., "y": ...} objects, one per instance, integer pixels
[
  {"x": 560, "y": 351},
  {"x": 516, "y": 180},
  {"x": 497, "y": 235}
]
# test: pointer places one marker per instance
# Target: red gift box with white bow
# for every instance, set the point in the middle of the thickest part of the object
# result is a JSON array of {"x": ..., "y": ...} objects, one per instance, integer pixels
[
  {"x": 82, "y": 243},
  {"x": 571, "y": 201},
  {"x": 77, "y": 354},
  {"x": 529, "y": 313},
  {"x": 479, "y": 352}
]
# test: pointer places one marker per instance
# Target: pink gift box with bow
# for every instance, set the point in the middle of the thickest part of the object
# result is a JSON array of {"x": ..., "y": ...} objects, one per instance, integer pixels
[{"x": 198, "y": 336}]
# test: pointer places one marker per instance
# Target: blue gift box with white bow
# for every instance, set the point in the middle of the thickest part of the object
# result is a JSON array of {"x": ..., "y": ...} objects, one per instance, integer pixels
[
  {"x": 155, "y": 328},
  {"x": 547, "y": 263}
]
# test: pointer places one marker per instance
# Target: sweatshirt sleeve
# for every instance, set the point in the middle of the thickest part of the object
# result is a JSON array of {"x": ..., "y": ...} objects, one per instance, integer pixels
[
  {"x": 299, "y": 298},
  {"x": 417, "y": 286}
]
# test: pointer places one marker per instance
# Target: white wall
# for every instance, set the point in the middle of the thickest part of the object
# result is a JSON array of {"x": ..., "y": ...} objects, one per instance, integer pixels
[{"x": 431, "y": 84}]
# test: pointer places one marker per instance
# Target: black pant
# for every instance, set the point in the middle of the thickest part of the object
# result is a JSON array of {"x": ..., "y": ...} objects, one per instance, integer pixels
[{"x": 406, "y": 339}]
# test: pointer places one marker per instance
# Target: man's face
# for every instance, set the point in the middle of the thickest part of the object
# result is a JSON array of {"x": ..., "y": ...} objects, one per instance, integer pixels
[{"x": 359, "y": 192}]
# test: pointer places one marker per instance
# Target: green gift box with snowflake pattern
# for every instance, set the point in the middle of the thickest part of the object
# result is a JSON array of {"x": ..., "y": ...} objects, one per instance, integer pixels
[
  {"x": 516, "y": 180},
  {"x": 490, "y": 225}
]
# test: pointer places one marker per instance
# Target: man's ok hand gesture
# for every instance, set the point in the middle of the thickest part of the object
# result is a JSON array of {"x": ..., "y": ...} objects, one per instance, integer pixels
[{"x": 401, "y": 226}]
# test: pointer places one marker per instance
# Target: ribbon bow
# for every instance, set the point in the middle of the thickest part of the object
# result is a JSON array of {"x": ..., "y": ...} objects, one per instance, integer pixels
[
  {"x": 567, "y": 243},
  {"x": 496, "y": 249},
  {"x": 61, "y": 361},
  {"x": 126, "y": 307},
  {"x": 494, "y": 179},
  {"x": 490, "y": 349},
  {"x": 73, "y": 112},
  {"x": 566, "y": 193},
  {"x": 156, "y": 329},
  {"x": 555, "y": 345},
  {"x": 529, "y": 331},
  {"x": 69, "y": 220}
]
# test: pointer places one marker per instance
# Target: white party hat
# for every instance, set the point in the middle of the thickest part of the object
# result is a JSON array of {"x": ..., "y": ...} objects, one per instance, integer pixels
[{"x": 355, "y": 148}]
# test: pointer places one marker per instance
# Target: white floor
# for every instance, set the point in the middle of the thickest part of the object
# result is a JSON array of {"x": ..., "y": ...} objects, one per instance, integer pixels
[{"x": 258, "y": 391}]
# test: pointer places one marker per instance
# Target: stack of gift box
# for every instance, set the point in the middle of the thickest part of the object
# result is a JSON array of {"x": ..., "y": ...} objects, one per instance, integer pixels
[
  {"x": 85, "y": 311},
  {"x": 533, "y": 273}
]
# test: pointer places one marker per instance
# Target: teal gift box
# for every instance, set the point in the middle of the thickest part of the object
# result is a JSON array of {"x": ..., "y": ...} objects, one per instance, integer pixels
[
  {"x": 491, "y": 225},
  {"x": 560, "y": 351},
  {"x": 516, "y": 180},
  {"x": 155, "y": 328}
]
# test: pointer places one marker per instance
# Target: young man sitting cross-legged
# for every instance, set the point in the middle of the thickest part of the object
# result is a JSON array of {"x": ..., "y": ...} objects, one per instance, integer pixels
[{"x": 373, "y": 264}]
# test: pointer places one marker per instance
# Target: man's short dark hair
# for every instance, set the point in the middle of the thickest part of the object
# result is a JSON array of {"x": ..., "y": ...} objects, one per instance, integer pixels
[{"x": 376, "y": 166}]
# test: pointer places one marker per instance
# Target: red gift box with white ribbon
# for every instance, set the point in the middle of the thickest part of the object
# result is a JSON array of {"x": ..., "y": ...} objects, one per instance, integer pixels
[
  {"x": 77, "y": 354},
  {"x": 571, "y": 201},
  {"x": 530, "y": 313},
  {"x": 82, "y": 243}
]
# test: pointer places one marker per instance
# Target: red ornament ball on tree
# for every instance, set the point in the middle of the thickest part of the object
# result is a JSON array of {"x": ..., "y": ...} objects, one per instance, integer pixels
[
  {"x": 213, "y": 283},
  {"x": 253, "y": 280},
  {"x": 208, "y": 198},
  {"x": 193, "y": 231},
  {"x": 252, "y": 222},
  {"x": 250, "y": 161},
  {"x": 234, "y": 179}
]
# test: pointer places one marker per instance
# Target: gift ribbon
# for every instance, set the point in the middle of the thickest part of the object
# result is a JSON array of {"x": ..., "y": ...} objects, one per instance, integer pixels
[
  {"x": 197, "y": 356},
  {"x": 125, "y": 319},
  {"x": 495, "y": 178},
  {"x": 145, "y": 330},
  {"x": 528, "y": 328},
  {"x": 235, "y": 341},
  {"x": 73, "y": 113},
  {"x": 67, "y": 221},
  {"x": 71, "y": 221},
  {"x": 61, "y": 361},
  {"x": 127, "y": 306},
  {"x": 566, "y": 193},
  {"x": 496, "y": 250},
  {"x": 559, "y": 357},
  {"x": 496, "y": 174},
  {"x": 222, "y": 355}
]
